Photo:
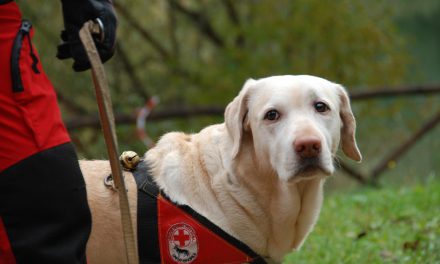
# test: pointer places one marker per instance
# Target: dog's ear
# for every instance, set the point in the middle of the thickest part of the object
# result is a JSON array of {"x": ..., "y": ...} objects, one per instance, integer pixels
[
  {"x": 348, "y": 129},
  {"x": 236, "y": 117}
]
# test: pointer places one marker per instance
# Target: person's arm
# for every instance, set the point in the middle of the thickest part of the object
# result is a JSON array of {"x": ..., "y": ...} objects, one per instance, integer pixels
[{"x": 76, "y": 13}]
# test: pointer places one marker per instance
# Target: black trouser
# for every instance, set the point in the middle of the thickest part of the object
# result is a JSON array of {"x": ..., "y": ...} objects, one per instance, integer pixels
[
  {"x": 43, "y": 205},
  {"x": 5, "y": 1}
]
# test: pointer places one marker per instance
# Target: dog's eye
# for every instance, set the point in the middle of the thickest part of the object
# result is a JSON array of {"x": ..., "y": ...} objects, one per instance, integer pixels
[
  {"x": 321, "y": 107},
  {"x": 272, "y": 115}
]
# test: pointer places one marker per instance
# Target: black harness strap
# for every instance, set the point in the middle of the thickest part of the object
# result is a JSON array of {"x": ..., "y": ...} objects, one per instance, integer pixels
[{"x": 147, "y": 226}]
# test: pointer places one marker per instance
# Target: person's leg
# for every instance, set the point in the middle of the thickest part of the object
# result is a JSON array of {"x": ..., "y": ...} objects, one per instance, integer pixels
[
  {"x": 43, "y": 207},
  {"x": 44, "y": 215}
]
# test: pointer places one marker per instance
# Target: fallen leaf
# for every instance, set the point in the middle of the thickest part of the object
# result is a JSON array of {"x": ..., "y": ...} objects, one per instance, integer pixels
[
  {"x": 411, "y": 245},
  {"x": 361, "y": 235}
]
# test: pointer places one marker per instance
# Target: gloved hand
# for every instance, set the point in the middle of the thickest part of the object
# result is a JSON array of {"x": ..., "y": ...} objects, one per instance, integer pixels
[{"x": 76, "y": 13}]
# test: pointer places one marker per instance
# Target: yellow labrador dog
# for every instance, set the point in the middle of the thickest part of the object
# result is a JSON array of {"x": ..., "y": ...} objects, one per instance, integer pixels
[{"x": 258, "y": 176}]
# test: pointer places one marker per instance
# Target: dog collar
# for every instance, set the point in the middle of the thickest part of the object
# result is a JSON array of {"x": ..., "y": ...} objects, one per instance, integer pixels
[{"x": 172, "y": 233}]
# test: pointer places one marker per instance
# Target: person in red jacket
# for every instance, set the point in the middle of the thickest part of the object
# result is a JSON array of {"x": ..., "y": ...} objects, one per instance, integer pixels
[{"x": 44, "y": 215}]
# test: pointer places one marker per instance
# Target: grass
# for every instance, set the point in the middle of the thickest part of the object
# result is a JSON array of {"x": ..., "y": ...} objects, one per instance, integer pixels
[{"x": 389, "y": 225}]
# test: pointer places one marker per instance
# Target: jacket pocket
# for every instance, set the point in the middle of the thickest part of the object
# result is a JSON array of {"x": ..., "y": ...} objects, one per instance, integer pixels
[{"x": 22, "y": 35}]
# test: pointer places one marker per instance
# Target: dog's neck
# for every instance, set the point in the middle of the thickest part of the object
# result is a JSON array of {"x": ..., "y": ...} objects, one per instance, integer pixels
[{"x": 271, "y": 209}]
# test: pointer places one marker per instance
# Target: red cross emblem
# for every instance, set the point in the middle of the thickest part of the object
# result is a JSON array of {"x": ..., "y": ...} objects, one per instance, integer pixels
[
  {"x": 181, "y": 237},
  {"x": 182, "y": 243}
]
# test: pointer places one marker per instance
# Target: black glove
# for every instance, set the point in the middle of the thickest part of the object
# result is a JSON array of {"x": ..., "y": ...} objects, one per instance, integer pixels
[{"x": 76, "y": 13}]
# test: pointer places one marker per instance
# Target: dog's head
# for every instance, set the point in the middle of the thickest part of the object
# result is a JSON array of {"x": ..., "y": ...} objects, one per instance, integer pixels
[{"x": 295, "y": 123}]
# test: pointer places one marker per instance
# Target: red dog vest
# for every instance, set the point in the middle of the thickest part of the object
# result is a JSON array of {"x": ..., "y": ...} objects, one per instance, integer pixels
[{"x": 170, "y": 233}]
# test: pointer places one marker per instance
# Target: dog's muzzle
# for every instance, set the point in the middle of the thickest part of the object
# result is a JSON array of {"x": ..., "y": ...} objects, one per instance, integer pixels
[{"x": 310, "y": 167}]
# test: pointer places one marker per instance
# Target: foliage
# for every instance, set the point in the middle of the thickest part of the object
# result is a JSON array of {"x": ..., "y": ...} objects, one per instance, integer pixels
[
  {"x": 200, "y": 53},
  {"x": 339, "y": 40},
  {"x": 369, "y": 226},
  {"x": 419, "y": 21}
]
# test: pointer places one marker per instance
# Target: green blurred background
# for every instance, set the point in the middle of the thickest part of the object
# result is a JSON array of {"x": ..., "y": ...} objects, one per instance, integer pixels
[{"x": 198, "y": 53}]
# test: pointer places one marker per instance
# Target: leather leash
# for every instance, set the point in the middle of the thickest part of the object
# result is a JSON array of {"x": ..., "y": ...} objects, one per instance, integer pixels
[{"x": 108, "y": 127}]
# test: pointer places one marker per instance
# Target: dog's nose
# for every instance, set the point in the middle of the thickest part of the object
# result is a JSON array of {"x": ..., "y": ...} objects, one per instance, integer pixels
[{"x": 307, "y": 147}]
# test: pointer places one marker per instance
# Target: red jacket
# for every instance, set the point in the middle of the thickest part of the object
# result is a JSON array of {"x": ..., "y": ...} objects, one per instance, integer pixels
[{"x": 30, "y": 120}]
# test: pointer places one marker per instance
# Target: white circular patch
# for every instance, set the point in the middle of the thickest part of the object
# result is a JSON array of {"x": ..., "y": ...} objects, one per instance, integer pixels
[{"x": 182, "y": 243}]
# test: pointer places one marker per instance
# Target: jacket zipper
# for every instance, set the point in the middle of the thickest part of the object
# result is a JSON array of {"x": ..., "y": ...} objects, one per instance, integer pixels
[{"x": 24, "y": 31}]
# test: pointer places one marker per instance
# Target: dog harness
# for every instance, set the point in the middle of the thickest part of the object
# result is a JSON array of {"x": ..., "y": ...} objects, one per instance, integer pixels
[{"x": 171, "y": 233}]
